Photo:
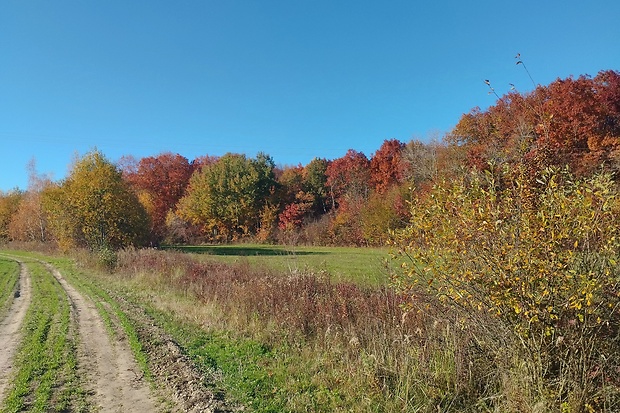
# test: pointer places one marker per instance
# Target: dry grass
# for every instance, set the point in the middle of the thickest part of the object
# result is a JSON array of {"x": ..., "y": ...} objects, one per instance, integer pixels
[{"x": 349, "y": 343}]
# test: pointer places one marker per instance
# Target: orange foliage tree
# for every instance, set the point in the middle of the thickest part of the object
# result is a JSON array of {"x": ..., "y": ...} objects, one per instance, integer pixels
[
  {"x": 9, "y": 204},
  {"x": 387, "y": 167}
]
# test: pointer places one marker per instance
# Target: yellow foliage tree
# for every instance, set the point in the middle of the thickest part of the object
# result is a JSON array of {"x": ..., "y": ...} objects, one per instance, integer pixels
[{"x": 95, "y": 208}]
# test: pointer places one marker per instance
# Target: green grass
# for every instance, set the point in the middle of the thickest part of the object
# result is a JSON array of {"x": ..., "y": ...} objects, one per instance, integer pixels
[
  {"x": 262, "y": 375},
  {"x": 9, "y": 274},
  {"x": 45, "y": 379},
  {"x": 245, "y": 365},
  {"x": 363, "y": 266}
]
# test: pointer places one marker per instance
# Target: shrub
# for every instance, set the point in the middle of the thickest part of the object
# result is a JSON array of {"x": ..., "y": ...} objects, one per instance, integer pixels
[{"x": 539, "y": 258}]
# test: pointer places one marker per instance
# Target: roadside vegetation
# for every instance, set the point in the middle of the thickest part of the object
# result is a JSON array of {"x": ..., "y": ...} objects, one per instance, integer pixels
[{"x": 281, "y": 341}]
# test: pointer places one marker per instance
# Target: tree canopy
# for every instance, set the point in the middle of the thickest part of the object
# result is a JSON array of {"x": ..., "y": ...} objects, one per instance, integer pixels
[
  {"x": 95, "y": 208},
  {"x": 226, "y": 197}
]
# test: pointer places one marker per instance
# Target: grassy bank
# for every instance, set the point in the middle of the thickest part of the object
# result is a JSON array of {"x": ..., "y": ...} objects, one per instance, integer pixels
[{"x": 296, "y": 341}]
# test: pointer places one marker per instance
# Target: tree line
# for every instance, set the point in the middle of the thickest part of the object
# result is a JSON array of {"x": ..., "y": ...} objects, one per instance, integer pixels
[{"x": 351, "y": 200}]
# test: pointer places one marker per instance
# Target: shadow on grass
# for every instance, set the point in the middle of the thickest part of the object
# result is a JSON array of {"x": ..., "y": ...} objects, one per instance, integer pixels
[{"x": 239, "y": 250}]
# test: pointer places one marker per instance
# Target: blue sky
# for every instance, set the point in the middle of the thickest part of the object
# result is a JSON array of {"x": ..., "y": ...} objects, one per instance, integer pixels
[{"x": 295, "y": 79}]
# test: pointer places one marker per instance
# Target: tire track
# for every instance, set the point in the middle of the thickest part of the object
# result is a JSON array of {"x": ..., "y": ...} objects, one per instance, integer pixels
[
  {"x": 10, "y": 334},
  {"x": 112, "y": 371}
]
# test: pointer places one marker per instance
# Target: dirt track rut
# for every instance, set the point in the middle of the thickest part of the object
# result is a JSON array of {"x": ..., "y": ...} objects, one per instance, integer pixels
[
  {"x": 112, "y": 371},
  {"x": 10, "y": 327}
]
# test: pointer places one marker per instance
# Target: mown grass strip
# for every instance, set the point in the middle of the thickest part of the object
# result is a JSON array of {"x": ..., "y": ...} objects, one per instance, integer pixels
[
  {"x": 46, "y": 377},
  {"x": 9, "y": 274},
  {"x": 243, "y": 363}
]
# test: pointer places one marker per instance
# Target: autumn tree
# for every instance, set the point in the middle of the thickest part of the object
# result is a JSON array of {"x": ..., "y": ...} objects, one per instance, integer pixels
[
  {"x": 505, "y": 132},
  {"x": 382, "y": 213},
  {"x": 295, "y": 203},
  {"x": 315, "y": 184},
  {"x": 570, "y": 121},
  {"x": 531, "y": 266},
  {"x": 202, "y": 161},
  {"x": 348, "y": 177},
  {"x": 95, "y": 208},
  {"x": 421, "y": 161},
  {"x": 9, "y": 203},
  {"x": 348, "y": 184},
  {"x": 387, "y": 168},
  {"x": 227, "y": 197},
  {"x": 160, "y": 182},
  {"x": 29, "y": 223},
  {"x": 585, "y": 124},
  {"x": 291, "y": 182}
]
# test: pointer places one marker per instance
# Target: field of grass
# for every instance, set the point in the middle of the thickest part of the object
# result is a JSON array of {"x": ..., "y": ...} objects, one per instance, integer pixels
[{"x": 363, "y": 266}]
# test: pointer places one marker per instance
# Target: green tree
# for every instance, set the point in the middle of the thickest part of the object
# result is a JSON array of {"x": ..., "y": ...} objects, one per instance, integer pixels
[
  {"x": 95, "y": 208},
  {"x": 226, "y": 197},
  {"x": 315, "y": 183}
]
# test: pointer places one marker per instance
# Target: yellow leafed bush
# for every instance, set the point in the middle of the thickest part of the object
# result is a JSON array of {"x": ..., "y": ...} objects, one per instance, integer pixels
[{"x": 538, "y": 256}]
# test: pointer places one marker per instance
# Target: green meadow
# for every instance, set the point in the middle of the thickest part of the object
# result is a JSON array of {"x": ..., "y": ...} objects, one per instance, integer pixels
[{"x": 363, "y": 266}]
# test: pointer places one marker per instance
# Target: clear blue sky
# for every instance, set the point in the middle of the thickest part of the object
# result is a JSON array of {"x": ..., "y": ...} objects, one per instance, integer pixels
[{"x": 296, "y": 79}]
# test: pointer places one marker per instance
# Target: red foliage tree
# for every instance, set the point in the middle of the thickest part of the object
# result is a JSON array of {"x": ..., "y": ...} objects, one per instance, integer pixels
[
  {"x": 349, "y": 176},
  {"x": 161, "y": 181},
  {"x": 387, "y": 168},
  {"x": 202, "y": 161},
  {"x": 294, "y": 213},
  {"x": 585, "y": 124},
  {"x": 570, "y": 121}
]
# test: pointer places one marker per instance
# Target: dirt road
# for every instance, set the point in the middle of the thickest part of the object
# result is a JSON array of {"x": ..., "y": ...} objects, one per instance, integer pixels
[
  {"x": 116, "y": 379},
  {"x": 106, "y": 364}
]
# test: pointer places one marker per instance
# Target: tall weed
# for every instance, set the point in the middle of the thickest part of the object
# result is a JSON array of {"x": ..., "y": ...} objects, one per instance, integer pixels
[{"x": 350, "y": 348}]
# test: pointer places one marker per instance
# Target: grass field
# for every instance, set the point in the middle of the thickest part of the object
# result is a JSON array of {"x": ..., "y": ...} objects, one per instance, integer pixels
[{"x": 363, "y": 266}]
